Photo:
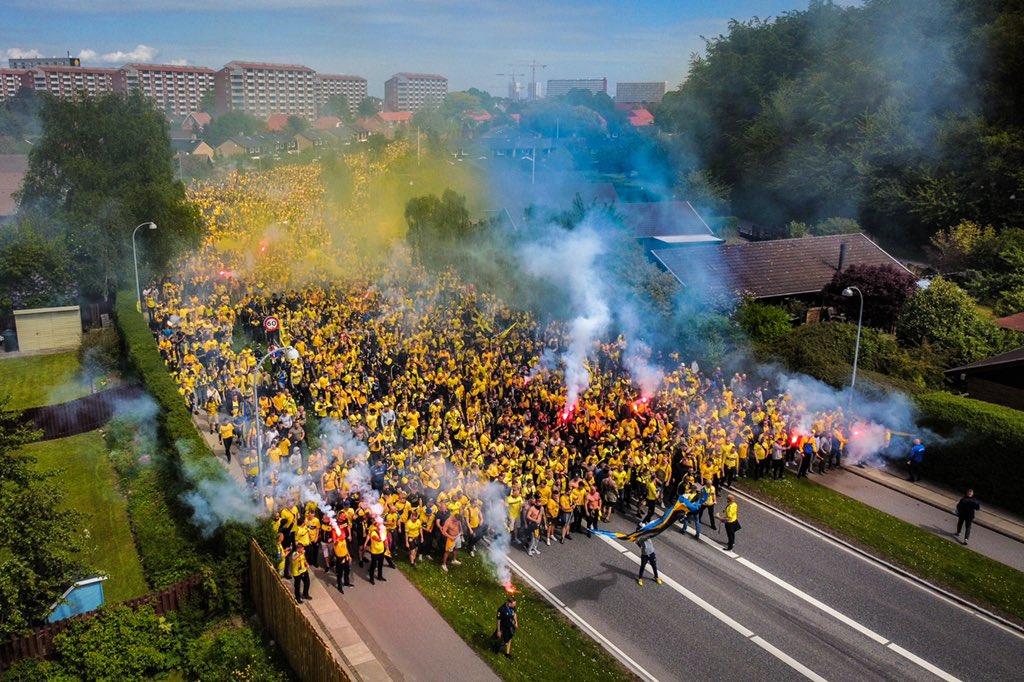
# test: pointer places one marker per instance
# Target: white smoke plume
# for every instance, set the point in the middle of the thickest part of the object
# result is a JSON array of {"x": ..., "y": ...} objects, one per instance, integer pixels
[
  {"x": 569, "y": 260},
  {"x": 495, "y": 518},
  {"x": 216, "y": 500}
]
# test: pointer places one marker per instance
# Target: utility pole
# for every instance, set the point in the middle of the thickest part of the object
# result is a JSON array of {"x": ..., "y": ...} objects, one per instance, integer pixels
[{"x": 417, "y": 145}]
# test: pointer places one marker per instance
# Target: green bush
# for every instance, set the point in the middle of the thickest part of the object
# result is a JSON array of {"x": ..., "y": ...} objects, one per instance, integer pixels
[
  {"x": 100, "y": 350},
  {"x": 825, "y": 351},
  {"x": 761, "y": 322},
  {"x": 35, "y": 669},
  {"x": 981, "y": 447},
  {"x": 231, "y": 653},
  {"x": 121, "y": 644}
]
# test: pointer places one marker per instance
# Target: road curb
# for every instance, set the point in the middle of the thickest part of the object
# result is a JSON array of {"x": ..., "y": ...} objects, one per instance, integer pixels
[
  {"x": 979, "y": 611},
  {"x": 922, "y": 499}
]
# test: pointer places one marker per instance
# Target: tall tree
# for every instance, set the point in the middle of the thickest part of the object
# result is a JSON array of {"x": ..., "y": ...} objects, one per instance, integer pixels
[
  {"x": 104, "y": 165},
  {"x": 38, "y": 539}
]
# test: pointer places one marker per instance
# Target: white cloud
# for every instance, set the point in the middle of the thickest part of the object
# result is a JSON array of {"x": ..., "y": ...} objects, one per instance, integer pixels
[
  {"x": 141, "y": 53},
  {"x": 178, "y": 62},
  {"x": 18, "y": 53}
]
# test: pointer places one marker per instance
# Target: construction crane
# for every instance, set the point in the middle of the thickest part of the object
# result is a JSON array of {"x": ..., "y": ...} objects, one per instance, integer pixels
[
  {"x": 532, "y": 66},
  {"x": 513, "y": 91}
]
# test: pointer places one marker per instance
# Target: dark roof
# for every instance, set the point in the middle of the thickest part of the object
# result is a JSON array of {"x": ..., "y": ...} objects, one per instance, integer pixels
[
  {"x": 1013, "y": 322},
  {"x": 12, "y": 172},
  {"x": 782, "y": 267},
  {"x": 245, "y": 141},
  {"x": 410, "y": 74},
  {"x": 662, "y": 219},
  {"x": 178, "y": 68},
  {"x": 1001, "y": 361},
  {"x": 266, "y": 66},
  {"x": 339, "y": 77}
]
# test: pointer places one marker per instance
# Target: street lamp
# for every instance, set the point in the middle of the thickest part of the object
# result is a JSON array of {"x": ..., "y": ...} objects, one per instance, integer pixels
[
  {"x": 135, "y": 259},
  {"x": 291, "y": 354},
  {"x": 533, "y": 166},
  {"x": 848, "y": 293}
]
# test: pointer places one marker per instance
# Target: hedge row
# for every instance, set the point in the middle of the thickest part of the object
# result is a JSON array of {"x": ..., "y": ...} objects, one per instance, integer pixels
[
  {"x": 980, "y": 447},
  {"x": 226, "y": 553}
]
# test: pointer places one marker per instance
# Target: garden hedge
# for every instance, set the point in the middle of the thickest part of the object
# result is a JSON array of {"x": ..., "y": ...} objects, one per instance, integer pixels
[
  {"x": 980, "y": 447},
  {"x": 226, "y": 553}
]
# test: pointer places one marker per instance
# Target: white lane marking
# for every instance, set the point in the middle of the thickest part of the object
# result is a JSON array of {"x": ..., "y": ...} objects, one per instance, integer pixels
[
  {"x": 882, "y": 565},
  {"x": 867, "y": 632},
  {"x": 584, "y": 625},
  {"x": 935, "y": 670},
  {"x": 717, "y": 613},
  {"x": 841, "y": 617},
  {"x": 787, "y": 659}
]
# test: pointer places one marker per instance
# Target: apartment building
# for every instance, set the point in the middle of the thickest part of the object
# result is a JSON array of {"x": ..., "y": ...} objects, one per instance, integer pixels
[
  {"x": 639, "y": 92},
  {"x": 13, "y": 80},
  {"x": 331, "y": 84},
  {"x": 175, "y": 90},
  {"x": 33, "y": 62},
  {"x": 69, "y": 82},
  {"x": 414, "y": 91},
  {"x": 263, "y": 90},
  {"x": 560, "y": 87}
]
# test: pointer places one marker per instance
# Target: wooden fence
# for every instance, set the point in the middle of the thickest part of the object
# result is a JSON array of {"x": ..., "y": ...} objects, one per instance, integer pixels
[
  {"x": 39, "y": 642},
  {"x": 79, "y": 416},
  {"x": 307, "y": 653}
]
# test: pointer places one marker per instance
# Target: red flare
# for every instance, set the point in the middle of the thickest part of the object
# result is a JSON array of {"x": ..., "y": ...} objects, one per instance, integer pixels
[{"x": 510, "y": 588}]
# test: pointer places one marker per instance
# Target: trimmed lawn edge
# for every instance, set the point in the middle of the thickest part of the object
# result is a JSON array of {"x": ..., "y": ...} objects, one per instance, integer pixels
[
  {"x": 963, "y": 572},
  {"x": 471, "y": 592}
]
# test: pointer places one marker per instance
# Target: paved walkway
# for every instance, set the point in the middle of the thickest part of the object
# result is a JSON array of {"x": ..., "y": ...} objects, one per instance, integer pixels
[
  {"x": 384, "y": 632},
  {"x": 995, "y": 535}
]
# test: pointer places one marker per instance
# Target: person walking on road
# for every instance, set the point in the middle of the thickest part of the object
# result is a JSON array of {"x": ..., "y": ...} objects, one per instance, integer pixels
[
  {"x": 914, "y": 460},
  {"x": 731, "y": 517},
  {"x": 508, "y": 623},
  {"x": 647, "y": 556},
  {"x": 965, "y": 510}
]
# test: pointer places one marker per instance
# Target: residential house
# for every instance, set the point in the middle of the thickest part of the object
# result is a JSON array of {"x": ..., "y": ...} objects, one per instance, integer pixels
[
  {"x": 665, "y": 224},
  {"x": 998, "y": 379},
  {"x": 196, "y": 122},
  {"x": 240, "y": 145}
]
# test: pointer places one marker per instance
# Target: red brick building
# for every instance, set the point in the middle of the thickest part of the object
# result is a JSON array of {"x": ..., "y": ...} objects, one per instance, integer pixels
[
  {"x": 175, "y": 90},
  {"x": 13, "y": 80},
  {"x": 263, "y": 90},
  {"x": 69, "y": 82}
]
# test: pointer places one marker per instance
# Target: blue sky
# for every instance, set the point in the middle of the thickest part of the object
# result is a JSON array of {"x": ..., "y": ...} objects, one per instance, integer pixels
[{"x": 469, "y": 41}]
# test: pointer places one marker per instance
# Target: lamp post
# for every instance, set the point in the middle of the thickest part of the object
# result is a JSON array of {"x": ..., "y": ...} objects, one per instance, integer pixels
[
  {"x": 135, "y": 260},
  {"x": 291, "y": 354},
  {"x": 533, "y": 166},
  {"x": 848, "y": 292}
]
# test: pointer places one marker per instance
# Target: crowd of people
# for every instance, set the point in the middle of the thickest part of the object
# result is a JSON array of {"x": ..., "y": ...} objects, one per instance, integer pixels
[{"x": 412, "y": 398}]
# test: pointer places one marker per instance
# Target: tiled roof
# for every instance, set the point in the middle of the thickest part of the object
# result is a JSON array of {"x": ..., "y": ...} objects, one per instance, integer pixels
[
  {"x": 326, "y": 122},
  {"x": 179, "y": 68},
  {"x": 662, "y": 219},
  {"x": 267, "y": 66},
  {"x": 201, "y": 117},
  {"x": 1013, "y": 322},
  {"x": 782, "y": 267},
  {"x": 1010, "y": 358},
  {"x": 12, "y": 172},
  {"x": 277, "y": 122},
  {"x": 395, "y": 116}
]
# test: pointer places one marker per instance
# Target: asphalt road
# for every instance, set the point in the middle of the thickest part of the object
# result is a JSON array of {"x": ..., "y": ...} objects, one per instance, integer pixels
[{"x": 786, "y": 605}]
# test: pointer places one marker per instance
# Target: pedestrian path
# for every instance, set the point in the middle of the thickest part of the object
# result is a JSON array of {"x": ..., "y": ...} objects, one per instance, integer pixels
[
  {"x": 383, "y": 632},
  {"x": 928, "y": 509}
]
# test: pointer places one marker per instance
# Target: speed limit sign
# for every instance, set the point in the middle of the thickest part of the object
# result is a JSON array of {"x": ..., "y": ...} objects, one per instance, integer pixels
[{"x": 271, "y": 324}]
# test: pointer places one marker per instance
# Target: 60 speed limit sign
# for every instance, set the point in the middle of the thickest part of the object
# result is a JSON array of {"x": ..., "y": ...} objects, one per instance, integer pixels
[{"x": 271, "y": 324}]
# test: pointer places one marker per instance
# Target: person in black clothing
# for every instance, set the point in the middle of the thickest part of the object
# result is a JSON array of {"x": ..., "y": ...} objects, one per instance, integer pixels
[
  {"x": 965, "y": 510},
  {"x": 508, "y": 623}
]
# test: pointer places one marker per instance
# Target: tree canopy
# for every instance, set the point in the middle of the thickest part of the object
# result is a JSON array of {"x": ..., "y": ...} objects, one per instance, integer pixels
[{"x": 101, "y": 166}]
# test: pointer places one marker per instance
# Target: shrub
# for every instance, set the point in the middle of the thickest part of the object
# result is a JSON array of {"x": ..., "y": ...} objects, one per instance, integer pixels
[
  {"x": 121, "y": 643},
  {"x": 228, "y": 654},
  {"x": 99, "y": 351},
  {"x": 885, "y": 290},
  {"x": 763, "y": 323},
  {"x": 980, "y": 447}
]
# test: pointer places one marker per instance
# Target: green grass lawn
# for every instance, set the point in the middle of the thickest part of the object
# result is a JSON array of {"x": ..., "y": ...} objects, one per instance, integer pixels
[
  {"x": 90, "y": 486},
  {"x": 468, "y": 599},
  {"x": 41, "y": 380},
  {"x": 972, "y": 575}
]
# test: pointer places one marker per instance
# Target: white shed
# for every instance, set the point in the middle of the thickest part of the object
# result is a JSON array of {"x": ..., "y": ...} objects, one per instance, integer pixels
[{"x": 48, "y": 328}]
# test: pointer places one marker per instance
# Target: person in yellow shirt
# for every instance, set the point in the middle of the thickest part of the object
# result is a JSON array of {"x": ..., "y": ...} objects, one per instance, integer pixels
[
  {"x": 342, "y": 556},
  {"x": 313, "y": 524},
  {"x": 227, "y": 437},
  {"x": 376, "y": 541},
  {"x": 731, "y": 517},
  {"x": 413, "y": 536},
  {"x": 300, "y": 573},
  {"x": 474, "y": 517}
]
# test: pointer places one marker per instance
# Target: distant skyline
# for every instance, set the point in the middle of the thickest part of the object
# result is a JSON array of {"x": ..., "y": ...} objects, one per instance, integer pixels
[{"x": 469, "y": 41}]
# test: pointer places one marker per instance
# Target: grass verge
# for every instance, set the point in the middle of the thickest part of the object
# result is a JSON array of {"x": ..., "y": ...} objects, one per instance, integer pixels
[
  {"x": 962, "y": 571},
  {"x": 41, "y": 380},
  {"x": 90, "y": 486},
  {"x": 469, "y": 598}
]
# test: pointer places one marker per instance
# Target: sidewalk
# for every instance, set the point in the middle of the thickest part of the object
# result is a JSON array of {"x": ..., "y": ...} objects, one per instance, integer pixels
[
  {"x": 929, "y": 509},
  {"x": 384, "y": 632}
]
